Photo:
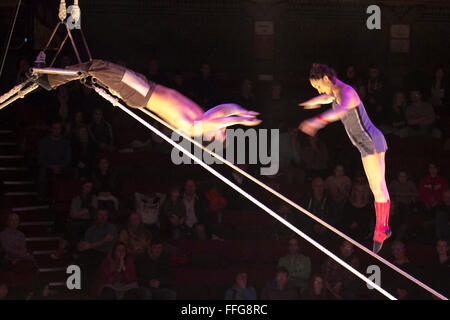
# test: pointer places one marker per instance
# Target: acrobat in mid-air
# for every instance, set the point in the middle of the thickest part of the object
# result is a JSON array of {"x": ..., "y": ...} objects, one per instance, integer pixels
[
  {"x": 138, "y": 92},
  {"x": 348, "y": 107}
]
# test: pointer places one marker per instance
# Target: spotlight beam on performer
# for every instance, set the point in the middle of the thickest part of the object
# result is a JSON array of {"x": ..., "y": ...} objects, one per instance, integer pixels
[{"x": 116, "y": 102}]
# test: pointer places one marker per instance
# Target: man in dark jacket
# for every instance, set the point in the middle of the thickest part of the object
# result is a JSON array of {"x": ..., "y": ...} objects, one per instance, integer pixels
[{"x": 153, "y": 274}]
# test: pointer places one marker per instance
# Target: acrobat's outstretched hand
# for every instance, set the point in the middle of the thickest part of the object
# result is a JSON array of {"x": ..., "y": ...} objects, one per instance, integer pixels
[{"x": 215, "y": 121}]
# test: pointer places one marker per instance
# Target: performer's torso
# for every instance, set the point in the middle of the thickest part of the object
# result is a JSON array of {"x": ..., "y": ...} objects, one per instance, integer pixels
[{"x": 356, "y": 121}]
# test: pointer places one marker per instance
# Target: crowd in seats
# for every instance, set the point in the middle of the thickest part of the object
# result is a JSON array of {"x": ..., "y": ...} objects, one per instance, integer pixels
[{"x": 145, "y": 228}]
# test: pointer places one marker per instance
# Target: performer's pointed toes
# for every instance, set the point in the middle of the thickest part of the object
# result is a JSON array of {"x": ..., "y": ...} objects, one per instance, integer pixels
[{"x": 377, "y": 245}]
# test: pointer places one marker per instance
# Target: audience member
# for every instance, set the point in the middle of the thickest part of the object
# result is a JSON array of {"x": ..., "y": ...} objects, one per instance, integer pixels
[
  {"x": 351, "y": 78},
  {"x": 431, "y": 188},
  {"x": 247, "y": 98},
  {"x": 359, "y": 214},
  {"x": 420, "y": 117},
  {"x": 98, "y": 241},
  {"x": 100, "y": 131},
  {"x": 338, "y": 185},
  {"x": 195, "y": 210},
  {"x": 316, "y": 289},
  {"x": 54, "y": 158},
  {"x": 104, "y": 200},
  {"x": 173, "y": 215},
  {"x": 395, "y": 122},
  {"x": 83, "y": 154},
  {"x": 81, "y": 214},
  {"x": 117, "y": 275},
  {"x": 322, "y": 207},
  {"x": 280, "y": 288},
  {"x": 104, "y": 177},
  {"x": 205, "y": 87},
  {"x": 315, "y": 155},
  {"x": 154, "y": 273},
  {"x": 401, "y": 287},
  {"x": 297, "y": 264},
  {"x": 14, "y": 245},
  {"x": 240, "y": 290},
  {"x": 404, "y": 192},
  {"x": 340, "y": 283},
  {"x": 290, "y": 157},
  {"x": 148, "y": 207},
  {"x": 440, "y": 92},
  {"x": 72, "y": 128},
  {"x": 376, "y": 95},
  {"x": 276, "y": 108},
  {"x": 135, "y": 237},
  {"x": 439, "y": 269}
]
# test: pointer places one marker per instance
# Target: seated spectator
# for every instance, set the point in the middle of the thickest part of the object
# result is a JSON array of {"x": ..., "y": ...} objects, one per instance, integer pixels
[
  {"x": 376, "y": 95},
  {"x": 136, "y": 237},
  {"x": 280, "y": 288},
  {"x": 83, "y": 154},
  {"x": 297, "y": 265},
  {"x": 440, "y": 92},
  {"x": 401, "y": 287},
  {"x": 246, "y": 98},
  {"x": 42, "y": 292},
  {"x": 438, "y": 270},
  {"x": 104, "y": 200},
  {"x": 148, "y": 207},
  {"x": 316, "y": 289},
  {"x": 421, "y": 117},
  {"x": 81, "y": 214},
  {"x": 358, "y": 214},
  {"x": 104, "y": 177},
  {"x": 54, "y": 158},
  {"x": 205, "y": 86},
  {"x": 236, "y": 201},
  {"x": 73, "y": 127},
  {"x": 195, "y": 208},
  {"x": 395, "y": 122},
  {"x": 98, "y": 241},
  {"x": 154, "y": 272},
  {"x": 290, "y": 158},
  {"x": 117, "y": 275},
  {"x": 315, "y": 155},
  {"x": 340, "y": 283},
  {"x": 14, "y": 245},
  {"x": 431, "y": 188},
  {"x": 240, "y": 290},
  {"x": 322, "y": 207},
  {"x": 173, "y": 215},
  {"x": 404, "y": 192},
  {"x": 351, "y": 78},
  {"x": 276, "y": 108},
  {"x": 279, "y": 231},
  {"x": 443, "y": 217},
  {"x": 338, "y": 185},
  {"x": 100, "y": 131}
]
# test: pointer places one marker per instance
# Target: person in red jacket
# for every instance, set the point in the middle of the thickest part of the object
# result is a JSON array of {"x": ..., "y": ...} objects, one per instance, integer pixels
[
  {"x": 117, "y": 275},
  {"x": 431, "y": 188}
]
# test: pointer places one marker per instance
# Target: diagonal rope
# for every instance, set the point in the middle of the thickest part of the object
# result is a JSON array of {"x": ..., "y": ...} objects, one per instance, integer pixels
[
  {"x": 295, "y": 205},
  {"x": 116, "y": 102}
]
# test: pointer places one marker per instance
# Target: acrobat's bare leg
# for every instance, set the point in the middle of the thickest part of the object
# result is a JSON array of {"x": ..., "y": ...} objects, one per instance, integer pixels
[{"x": 374, "y": 166}]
